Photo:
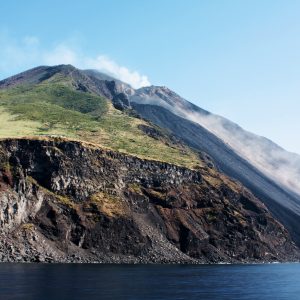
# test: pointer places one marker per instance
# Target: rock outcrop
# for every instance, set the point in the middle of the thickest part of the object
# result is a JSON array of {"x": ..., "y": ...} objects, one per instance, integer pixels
[{"x": 68, "y": 201}]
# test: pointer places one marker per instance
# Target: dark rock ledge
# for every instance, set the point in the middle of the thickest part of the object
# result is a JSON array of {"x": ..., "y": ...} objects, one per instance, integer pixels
[{"x": 67, "y": 201}]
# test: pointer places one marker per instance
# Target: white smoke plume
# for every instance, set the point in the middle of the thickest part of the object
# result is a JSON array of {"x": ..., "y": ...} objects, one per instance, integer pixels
[
  {"x": 275, "y": 162},
  {"x": 19, "y": 55}
]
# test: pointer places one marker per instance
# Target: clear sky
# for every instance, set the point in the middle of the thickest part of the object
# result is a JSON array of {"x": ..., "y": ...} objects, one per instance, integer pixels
[{"x": 237, "y": 58}]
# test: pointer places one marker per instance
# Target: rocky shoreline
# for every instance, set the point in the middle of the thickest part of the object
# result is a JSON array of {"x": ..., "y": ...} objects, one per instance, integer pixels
[{"x": 70, "y": 202}]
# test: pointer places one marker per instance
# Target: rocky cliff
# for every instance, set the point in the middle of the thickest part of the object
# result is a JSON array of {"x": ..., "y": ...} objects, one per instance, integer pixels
[{"x": 69, "y": 201}]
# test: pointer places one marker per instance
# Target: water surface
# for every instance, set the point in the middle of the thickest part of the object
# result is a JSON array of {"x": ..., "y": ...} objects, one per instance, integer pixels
[{"x": 89, "y": 282}]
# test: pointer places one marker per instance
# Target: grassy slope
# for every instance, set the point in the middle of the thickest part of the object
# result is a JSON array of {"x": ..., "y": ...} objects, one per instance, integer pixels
[{"x": 54, "y": 108}]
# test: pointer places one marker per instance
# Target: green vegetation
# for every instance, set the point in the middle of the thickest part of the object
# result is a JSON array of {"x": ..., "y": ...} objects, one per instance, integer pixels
[
  {"x": 28, "y": 226},
  {"x": 135, "y": 188},
  {"x": 120, "y": 132},
  {"x": 55, "y": 93},
  {"x": 54, "y": 107},
  {"x": 65, "y": 201},
  {"x": 108, "y": 204}
]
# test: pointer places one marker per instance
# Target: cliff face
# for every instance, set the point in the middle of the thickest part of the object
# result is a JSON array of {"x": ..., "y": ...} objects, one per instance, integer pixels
[
  {"x": 283, "y": 204},
  {"x": 69, "y": 201}
]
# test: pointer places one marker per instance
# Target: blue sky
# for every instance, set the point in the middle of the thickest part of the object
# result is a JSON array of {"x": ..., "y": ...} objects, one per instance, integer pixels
[{"x": 240, "y": 59}]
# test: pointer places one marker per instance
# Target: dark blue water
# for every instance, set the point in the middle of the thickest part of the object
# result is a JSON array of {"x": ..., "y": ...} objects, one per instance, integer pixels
[{"x": 89, "y": 282}]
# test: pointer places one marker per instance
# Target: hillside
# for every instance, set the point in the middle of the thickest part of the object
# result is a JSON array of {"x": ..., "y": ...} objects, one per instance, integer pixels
[
  {"x": 56, "y": 103},
  {"x": 93, "y": 170}
]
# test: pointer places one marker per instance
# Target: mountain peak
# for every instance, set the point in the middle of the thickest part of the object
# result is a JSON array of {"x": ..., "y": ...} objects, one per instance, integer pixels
[
  {"x": 36, "y": 75},
  {"x": 92, "y": 81}
]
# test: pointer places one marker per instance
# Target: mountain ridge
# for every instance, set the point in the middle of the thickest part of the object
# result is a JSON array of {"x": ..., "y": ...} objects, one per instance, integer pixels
[{"x": 142, "y": 122}]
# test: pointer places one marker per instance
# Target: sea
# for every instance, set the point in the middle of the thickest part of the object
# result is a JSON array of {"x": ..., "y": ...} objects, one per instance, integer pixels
[{"x": 97, "y": 281}]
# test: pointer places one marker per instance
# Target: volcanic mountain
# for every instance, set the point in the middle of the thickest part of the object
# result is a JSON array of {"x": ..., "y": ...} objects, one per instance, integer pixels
[{"x": 93, "y": 170}]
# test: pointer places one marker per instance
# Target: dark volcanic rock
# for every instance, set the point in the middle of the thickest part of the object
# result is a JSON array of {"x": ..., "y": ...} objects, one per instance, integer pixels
[
  {"x": 283, "y": 204},
  {"x": 120, "y": 101},
  {"x": 73, "y": 202}
]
